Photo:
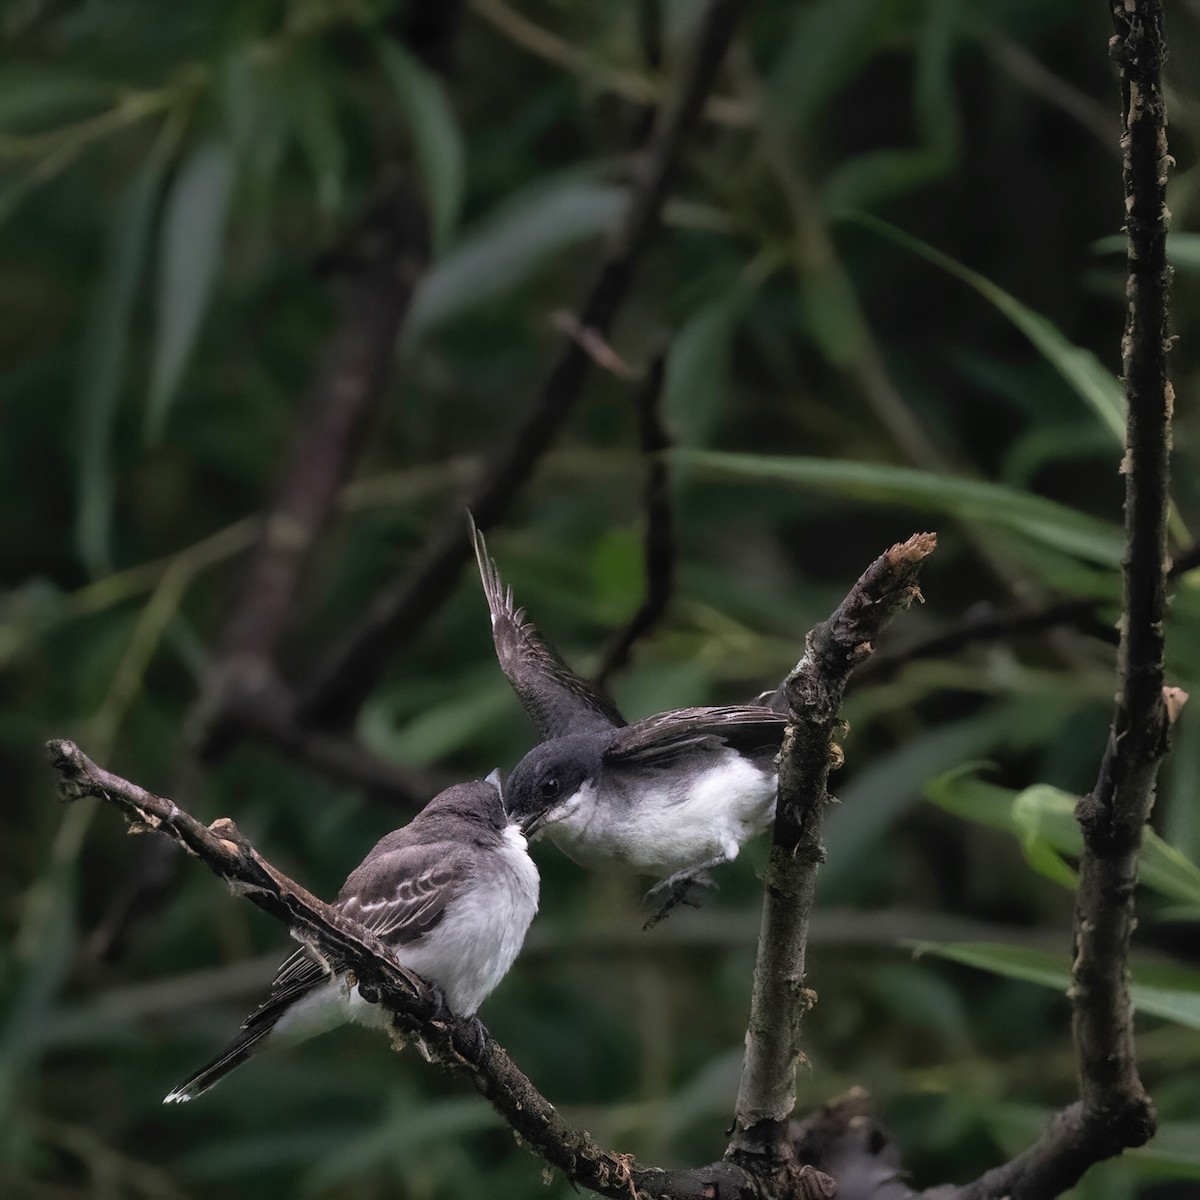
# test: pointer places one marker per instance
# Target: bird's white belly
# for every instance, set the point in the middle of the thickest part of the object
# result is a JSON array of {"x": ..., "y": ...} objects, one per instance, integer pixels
[
  {"x": 667, "y": 828},
  {"x": 472, "y": 947},
  {"x": 327, "y": 1006}
]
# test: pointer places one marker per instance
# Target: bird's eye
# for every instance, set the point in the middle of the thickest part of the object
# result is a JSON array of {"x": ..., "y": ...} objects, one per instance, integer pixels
[{"x": 550, "y": 787}]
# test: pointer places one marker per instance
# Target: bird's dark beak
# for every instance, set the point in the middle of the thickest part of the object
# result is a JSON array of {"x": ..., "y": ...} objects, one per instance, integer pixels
[{"x": 532, "y": 822}]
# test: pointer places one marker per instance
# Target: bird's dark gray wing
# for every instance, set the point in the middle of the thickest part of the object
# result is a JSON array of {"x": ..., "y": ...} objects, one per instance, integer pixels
[
  {"x": 401, "y": 894},
  {"x": 663, "y": 738},
  {"x": 556, "y": 699}
]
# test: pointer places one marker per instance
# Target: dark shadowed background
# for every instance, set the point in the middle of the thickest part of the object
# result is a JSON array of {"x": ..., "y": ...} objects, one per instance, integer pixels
[{"x": 889, "y": 287}]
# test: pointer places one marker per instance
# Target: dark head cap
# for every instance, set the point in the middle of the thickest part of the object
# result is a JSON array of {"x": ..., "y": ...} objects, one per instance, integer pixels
[{"x": 551, "y": 774}]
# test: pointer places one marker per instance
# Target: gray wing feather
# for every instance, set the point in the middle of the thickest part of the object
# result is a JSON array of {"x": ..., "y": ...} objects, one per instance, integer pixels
[
  {"x": 401, "y": 894},
  {"x": 662, "y": 738},
  {"x": 557, "y": 700}
]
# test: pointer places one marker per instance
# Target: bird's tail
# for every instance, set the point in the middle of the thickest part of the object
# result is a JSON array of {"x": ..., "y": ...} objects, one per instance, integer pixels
[{"x": 248, "y": 1040}]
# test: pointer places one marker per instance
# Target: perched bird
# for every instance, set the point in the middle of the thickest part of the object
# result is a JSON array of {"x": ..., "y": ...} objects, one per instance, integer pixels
[
  {"x": 451, "y": 895},
  {"x": 669, "y": 796}
]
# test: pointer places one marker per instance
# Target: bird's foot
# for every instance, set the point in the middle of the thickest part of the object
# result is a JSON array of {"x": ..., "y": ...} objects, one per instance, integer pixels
[
  {"x": 684, "y": 887},
  {"x": 441, "y": 1014},
  {"x": 473, "y": 1041}
]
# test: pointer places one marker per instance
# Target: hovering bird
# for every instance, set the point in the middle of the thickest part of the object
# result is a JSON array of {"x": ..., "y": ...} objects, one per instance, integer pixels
[
  {"x": 670, "y": 796},
  {"x": 451, "y": 895}
]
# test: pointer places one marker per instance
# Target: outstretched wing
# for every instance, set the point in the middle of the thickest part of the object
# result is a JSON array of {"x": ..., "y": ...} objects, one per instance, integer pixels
[
  {"x": 660, "y": 739},
  {"x": 556, "y": 699}
]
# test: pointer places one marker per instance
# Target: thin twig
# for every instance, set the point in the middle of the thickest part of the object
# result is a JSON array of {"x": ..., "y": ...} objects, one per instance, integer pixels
[
  {"x": 659, "y": 542},
  {"x": 631, "y": 85},
  {"x": 451, "y": 1042},
  {"x": 354, "y": 667},
  {"x": 814, "y": 693},
  {"x": 986, "y": 624},
  {"x": 1114, "y": 1112}
]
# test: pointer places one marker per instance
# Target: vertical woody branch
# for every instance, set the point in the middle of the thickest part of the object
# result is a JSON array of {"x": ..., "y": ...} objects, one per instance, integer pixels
[
  {"x": 814, "y": 693},
  {"x": 1113, "y": 815},
  {"x": 1114, "y": 1112}
]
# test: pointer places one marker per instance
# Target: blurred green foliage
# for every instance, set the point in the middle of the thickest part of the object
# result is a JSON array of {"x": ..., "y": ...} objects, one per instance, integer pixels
[{"x": 889, "y": 280}]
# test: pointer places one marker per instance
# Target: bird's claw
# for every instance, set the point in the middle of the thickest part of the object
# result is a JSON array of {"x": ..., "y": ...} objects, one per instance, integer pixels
[
  {"x": 441, "y": 1014},
  {"x": 473, "y": 1040},
  {"x": 679, "y": 889}
]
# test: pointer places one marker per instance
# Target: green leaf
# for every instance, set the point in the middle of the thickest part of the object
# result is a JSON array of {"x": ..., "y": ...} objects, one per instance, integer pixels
[
  {"x": 189, "y": 253},
  {"x": 1183, "y": 249},
  {"x": 1043, "y": 817},
  {"x": 1034, "y": 517},
  {"x": 878, "y": 175},
  {"x": 510, "y": 247},
  {"x": 437, "y": 140},
  {"x": 828, "y": 43},
  {"x": 1181, "y": 822},
  {"x": 1174, "y": 1149},
  {"x": 102, "y": 360},
  {"x": 34, "y": 97},
  {"x": 965, "y": 795},
  {"x": 880, "y": 794},
  {"x": 1170, "y": 992},
  {"x": 696, "y": 384},
  {"x": 316, "y": 129},
  {"x": 1086, "y": 375},
  {"x": 1047, "y": 828},
  {"x": 439, "y": 730}
]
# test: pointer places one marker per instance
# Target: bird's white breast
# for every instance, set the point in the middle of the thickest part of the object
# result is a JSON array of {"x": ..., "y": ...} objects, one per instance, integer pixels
[
  {"x": 471, "y": 949},
  {"x": 672, "y": 822}
]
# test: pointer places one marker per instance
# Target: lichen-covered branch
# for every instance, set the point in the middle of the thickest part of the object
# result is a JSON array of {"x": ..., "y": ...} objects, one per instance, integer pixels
[
  {"x": 1114, "y": 1112},
  {"x": 396, "y": 615},
  {"x": 813, "y": 694}
]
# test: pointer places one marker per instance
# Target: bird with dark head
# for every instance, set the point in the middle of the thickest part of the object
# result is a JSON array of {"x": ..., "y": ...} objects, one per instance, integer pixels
[
  {"x": 669, "y": 796},
  {"x": 451, "y": 895}
]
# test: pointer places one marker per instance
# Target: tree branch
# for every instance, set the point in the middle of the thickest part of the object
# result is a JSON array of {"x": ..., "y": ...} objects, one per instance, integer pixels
[
  {"x": 814, "y": 692},
  {"x": 414, "y": 1006},
  {"x": 983, "y": 623},
  {"x": 372, "y": 278},
  {"x": 356, "y": 664},
  {"x": 1114, "y": 1112},
  {"x": 659, "y": 544}
]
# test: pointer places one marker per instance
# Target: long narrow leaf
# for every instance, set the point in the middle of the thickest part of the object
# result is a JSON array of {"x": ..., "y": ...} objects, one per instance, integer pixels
[
  {"x": 1087, "y": 376},
  {"x": 102, "y": 360},
  {"x": 1172, "y": 993},
  {"x": 1043, "y": 817},
  {"x": 190, "y": 251},
  {"x": 509, "y": 246},
  {"x": 1033, "y": 517},
  {"x": 436, "y": 138}
]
